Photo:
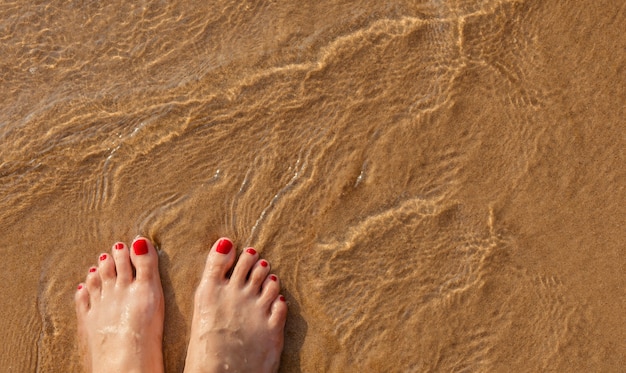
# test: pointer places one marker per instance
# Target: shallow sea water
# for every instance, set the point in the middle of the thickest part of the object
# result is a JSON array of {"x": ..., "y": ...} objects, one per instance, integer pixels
[{"x": 439, "y": 184}]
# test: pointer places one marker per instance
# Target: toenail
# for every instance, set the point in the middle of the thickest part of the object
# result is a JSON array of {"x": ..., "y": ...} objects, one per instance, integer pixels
[
  {"x": 140, "y": 247},
  {"x": 273, "y": 278},
  {"x": 119, "y": 246},
  {"x": 80, "y": 287},
  {"x": 282, "y": 298},
  {"x": 263, "y": 263},
  {"x": 92, "y": 269},
  {"x": 251, "y": 251},
  {"x": 103, "y": 257},
  {"x": 224, "y": 246}
]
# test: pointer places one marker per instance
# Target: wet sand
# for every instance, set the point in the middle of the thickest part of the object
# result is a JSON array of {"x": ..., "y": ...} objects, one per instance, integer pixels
[{"x": 440, "y": 185}]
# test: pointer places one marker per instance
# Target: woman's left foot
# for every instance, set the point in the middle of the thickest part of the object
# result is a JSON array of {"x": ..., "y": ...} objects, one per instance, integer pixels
[{"x": 120, "y": 311}]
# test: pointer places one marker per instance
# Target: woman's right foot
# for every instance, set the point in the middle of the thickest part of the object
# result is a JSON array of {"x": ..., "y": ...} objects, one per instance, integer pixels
[{"x": 238, "y": 322}]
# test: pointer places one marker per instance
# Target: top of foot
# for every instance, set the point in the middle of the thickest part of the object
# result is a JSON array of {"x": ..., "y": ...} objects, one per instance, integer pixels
[
  {"x": 238, "y": 321},
  {"x": 120, "y": 311}
]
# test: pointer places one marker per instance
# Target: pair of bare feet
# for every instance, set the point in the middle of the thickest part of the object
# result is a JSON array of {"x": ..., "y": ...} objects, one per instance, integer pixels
[{"x": 237, "y": 325}]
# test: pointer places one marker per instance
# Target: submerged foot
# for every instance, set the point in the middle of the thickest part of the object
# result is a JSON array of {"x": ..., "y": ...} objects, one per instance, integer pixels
[
  {"x": 120, "y": 311},
  {"x": 238, "y": 322}
]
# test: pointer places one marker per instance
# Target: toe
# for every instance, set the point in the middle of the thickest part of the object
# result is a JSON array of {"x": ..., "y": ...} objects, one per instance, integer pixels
[
  {"x": 106, "y": 268},
  {"x": 258, "y": 275},
  {"x": 278, "y": 313},
  {"x": 124, "y": 269},
  {"x": 94, "y": 284},
  {"x": 219, "y": 261},
  {"x": 145, "y": 259},
  {"x": 271, "y": 289},
  {"x": 242, "y": 269},
  {"x": 81, "y": 299}
]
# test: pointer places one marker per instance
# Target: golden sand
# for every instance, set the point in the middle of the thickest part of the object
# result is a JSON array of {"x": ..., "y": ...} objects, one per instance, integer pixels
[{"x": 440, "y": 185}]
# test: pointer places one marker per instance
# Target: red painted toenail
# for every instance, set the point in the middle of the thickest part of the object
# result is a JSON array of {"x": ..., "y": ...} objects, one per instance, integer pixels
[
  {"x": 103, "y": 257},
  {"x": 273, "y": 278},
  {"x": 119, "y": 246},
  {"x": 140, "y": 247},
  {"x": 251, "y": 251},
  {"x": 80, "y": 287},
  {"x": 282, "y": 298},
  {"x": 92, "y": 269},
  {"x": 263, "y": 263},
  {"x": 224, "y": 246}
]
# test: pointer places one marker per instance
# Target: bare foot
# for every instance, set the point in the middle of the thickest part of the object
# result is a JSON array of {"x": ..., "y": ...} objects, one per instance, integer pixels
[
  {"x": 238, "y": 322},
  {"x": 120, "y": 313}
]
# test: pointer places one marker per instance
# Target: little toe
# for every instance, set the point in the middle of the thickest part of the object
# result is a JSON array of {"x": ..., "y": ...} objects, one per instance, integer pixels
[
  {"x": 123, "y": 267},
  {"x": 242, "y": 269},
  {"x": 106, "y": 268},
  {"x": 81, "y": 299},
  {"x": 219, "y": 261},
  {"x": 145, "y": 259},
  {"x": 271, "y": 289},
  {"x": 258, "y": 275},
  {"x": 278, "y": 314}
]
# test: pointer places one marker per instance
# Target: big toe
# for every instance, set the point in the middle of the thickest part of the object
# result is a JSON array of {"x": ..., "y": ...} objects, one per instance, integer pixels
[
  {"x": 145, "y": 259},
  {"x": 219, "y": 261}
]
